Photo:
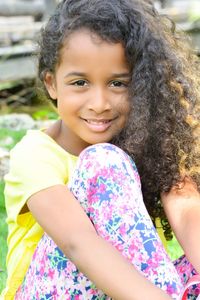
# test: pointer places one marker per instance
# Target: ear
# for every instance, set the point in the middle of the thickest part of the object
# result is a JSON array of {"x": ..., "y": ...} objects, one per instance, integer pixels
[{"x": 50, "y": 85}]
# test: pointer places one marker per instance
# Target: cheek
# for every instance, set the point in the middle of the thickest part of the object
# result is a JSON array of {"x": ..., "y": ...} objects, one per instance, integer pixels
[
  {"x": 125, "y": 112},
  {"x": 68, "y": 102},
  {"x": 128, "y": 106},
  {"x": 124, "y": 107}
]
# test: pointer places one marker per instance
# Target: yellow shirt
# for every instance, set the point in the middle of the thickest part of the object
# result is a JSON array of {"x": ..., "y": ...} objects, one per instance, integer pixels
[{"x": 37, "y": 162}]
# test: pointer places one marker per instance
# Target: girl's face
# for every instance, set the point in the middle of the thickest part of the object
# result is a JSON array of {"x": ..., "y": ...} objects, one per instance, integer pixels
[{"x": 91, "y": 87}]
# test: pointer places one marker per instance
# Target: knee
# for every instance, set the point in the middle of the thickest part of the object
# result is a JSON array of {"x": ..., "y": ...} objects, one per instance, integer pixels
[
  {"x": 105, "y": 155},
  {"x": 102, "y": 151}
]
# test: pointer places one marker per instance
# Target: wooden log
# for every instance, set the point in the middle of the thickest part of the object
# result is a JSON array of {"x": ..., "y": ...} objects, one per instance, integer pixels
[
  {"x": 17, "y": 69},
  {"x": 21, "y": 7},
  {"x": 14, "y": 30},
  {"x": 25, "y": 49}
]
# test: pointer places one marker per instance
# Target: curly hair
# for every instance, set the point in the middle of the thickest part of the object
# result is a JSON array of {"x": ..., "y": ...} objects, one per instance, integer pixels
[{"x": 163, "y": 131}]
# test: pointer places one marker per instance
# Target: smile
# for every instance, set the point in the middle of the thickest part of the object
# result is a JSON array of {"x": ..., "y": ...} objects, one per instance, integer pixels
[
  {"x": 98, "y": 121},
  {"x": 98, "y": 125}
]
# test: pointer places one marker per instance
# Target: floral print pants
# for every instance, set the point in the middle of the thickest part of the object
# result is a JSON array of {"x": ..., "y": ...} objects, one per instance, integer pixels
[{"x": 107, "y": 185}]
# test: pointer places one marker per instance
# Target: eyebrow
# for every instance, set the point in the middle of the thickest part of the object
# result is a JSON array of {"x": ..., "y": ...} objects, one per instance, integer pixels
[
  {"x": 121, "y": 75},
  {"x": 81, "y": 74}
]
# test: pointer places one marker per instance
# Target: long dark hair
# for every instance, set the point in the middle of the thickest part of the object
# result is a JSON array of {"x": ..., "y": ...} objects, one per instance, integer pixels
[{"x": 163, "y": 131}]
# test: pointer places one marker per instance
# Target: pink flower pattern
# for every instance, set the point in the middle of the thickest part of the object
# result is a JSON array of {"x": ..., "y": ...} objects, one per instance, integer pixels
[{"x": 107, "y": 185}]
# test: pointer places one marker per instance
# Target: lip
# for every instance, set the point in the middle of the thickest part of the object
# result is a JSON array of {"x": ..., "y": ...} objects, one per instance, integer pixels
[{"x": 98, "y": 125}]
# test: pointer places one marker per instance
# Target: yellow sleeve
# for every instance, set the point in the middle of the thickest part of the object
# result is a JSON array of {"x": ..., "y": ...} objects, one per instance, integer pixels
[{"x": 36, "y": 163}]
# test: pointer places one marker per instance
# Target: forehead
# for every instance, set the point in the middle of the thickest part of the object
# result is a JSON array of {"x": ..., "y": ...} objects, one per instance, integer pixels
[{"x": 84, "y": 46}]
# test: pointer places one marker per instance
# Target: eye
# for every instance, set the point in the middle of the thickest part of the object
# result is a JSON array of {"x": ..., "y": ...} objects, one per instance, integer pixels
[
  {"x": 118, "y": 83},
  {"x": 80, "y": 83}
]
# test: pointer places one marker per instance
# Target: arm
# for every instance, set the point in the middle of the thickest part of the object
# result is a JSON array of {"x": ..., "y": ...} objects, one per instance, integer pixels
[
  {"x": 61, "y": 216},
  {"x": 182, "y": 207}
]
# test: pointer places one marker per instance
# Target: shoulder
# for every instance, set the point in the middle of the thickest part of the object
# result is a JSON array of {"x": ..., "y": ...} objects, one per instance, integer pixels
[
  {"x": 38, "y": 149},
  {"x": 180, "y": 199},
  {"x": 37, "y": 157},
  {"x": 36, "y": 142}
]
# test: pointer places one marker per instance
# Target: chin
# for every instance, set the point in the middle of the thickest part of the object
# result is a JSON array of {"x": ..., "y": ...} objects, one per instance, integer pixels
[
  {"x": 100, "y": 138},
  {"x": 98, "y": 141}
]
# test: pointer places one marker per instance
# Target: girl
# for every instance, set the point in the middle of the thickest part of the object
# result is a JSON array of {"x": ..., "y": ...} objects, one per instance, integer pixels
[{"x": 78, "y": 227}]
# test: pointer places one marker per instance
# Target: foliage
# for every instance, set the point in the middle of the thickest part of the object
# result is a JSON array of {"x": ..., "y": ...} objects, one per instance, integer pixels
[
  {"x": 174, "y": 249},
  {"x": 44, "y": 114},
  {"x": 9, "y": 138},
  {"x": 8, "y": 85},
  {"x": 3, "y": 236}
]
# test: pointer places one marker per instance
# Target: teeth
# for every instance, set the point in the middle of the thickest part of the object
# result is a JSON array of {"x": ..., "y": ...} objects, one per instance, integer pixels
[{"x": 97, "y": 122}]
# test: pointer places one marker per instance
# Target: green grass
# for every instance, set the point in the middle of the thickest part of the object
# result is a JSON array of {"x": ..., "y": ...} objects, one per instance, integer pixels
[
  {"x": 174, "y": 249},
  {"x": 8, "y": 139},
  {"x": 3, "y": 236}
]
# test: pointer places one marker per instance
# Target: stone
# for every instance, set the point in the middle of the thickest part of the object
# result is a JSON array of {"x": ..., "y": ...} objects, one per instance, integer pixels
[{"x": 17, "y": 121}]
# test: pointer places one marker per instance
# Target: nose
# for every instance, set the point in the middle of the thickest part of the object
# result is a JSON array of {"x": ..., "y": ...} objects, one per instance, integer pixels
[{"x": 99, "y": 100}]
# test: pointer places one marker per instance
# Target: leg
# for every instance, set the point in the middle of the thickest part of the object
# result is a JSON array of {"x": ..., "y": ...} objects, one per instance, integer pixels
[
  {"x": 107, "y": 185},
  {"x": 186, "y": 270}
]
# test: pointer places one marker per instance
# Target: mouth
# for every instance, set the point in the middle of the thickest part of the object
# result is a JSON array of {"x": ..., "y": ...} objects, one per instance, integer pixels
[{"x": 98, "y": 125}]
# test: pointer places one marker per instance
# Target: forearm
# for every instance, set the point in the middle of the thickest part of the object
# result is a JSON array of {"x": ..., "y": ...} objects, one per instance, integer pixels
[
  {"x": 64, "y": 220},
  {"x": 110, "y": 272}
]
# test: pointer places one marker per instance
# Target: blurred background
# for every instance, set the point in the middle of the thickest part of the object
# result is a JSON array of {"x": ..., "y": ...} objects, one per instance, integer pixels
[
  {"x": 20, "y": 106},
  {"x": 20, "y": 22}
]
